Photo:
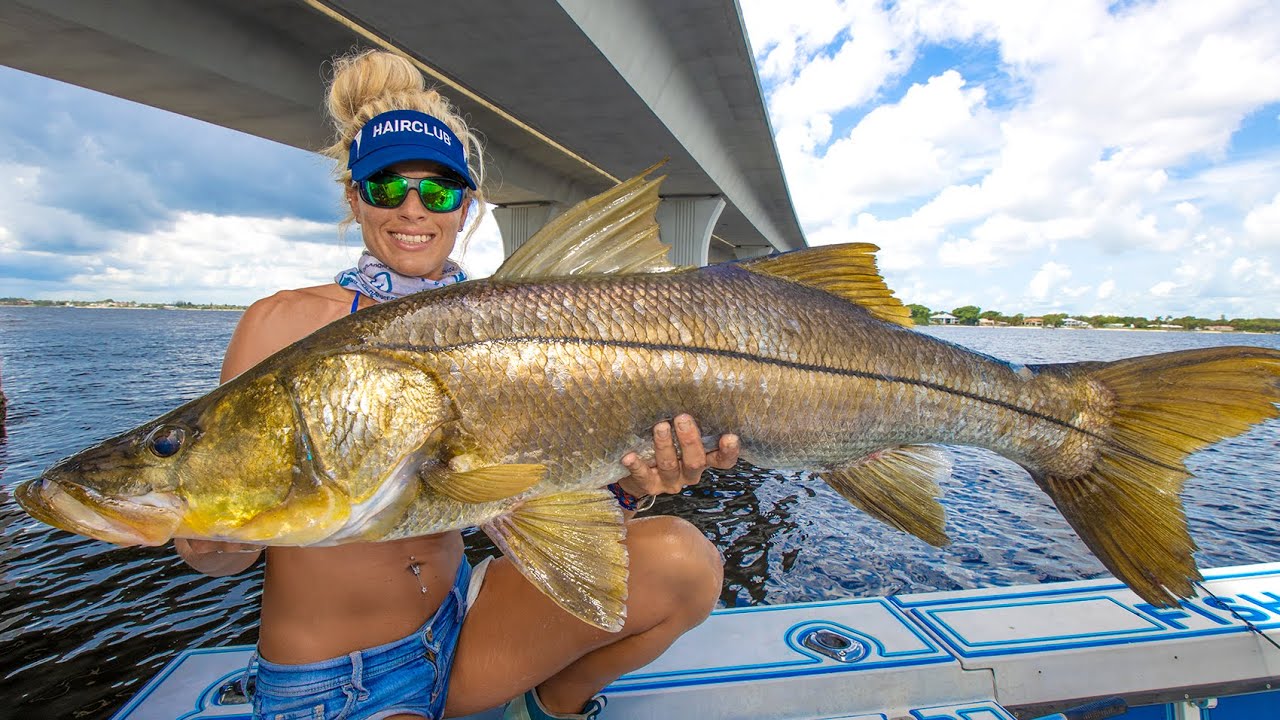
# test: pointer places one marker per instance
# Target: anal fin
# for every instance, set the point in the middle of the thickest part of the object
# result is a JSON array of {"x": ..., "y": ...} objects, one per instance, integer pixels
[
  {"x": 571, "y": 547},
  {"x": 898, "y": 487},
  {"x": 1137, "y": 529}
]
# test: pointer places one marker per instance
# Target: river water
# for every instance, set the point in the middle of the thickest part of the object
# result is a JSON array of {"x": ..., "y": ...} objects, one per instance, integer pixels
[{"x": 83, "y": 624}]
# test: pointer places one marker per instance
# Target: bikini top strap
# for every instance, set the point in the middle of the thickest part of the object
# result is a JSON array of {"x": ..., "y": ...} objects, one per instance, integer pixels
[{"x": 355, "y": 302}]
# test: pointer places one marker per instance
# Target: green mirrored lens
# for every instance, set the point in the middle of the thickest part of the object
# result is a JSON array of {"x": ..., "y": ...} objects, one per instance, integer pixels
[
  {"x": 386, "y": 190},
  {"x": 438, "y": 196}
]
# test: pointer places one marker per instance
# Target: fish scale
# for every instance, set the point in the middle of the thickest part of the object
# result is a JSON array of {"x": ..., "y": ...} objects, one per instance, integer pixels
[{"x": 808, "y": 379}]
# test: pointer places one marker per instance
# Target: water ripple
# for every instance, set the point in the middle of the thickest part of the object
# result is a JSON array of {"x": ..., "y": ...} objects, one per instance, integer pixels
[{"x": 84, "y": 624}]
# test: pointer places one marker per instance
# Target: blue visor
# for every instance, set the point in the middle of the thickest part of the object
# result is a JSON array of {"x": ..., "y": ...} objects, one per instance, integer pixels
[{"x": 401, "y": 135}]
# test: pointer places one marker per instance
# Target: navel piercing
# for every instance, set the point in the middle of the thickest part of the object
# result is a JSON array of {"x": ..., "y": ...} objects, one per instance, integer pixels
[{"x": 416, "y": 569}]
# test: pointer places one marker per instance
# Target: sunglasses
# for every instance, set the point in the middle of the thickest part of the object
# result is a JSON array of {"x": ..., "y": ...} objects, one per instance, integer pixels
[{"x": 388, "y": 190}]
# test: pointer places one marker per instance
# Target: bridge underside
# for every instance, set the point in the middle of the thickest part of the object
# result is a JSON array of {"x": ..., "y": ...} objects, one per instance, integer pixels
[{"x": 571, "y": 96}]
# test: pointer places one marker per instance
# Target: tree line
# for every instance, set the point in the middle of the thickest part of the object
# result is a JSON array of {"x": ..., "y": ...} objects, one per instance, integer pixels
[
  {"x": 182, "y": 304},
  {"x": 971, "y": 314}
]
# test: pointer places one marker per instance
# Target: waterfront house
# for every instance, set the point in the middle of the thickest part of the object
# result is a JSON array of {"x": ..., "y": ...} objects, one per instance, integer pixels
[
  {"x": 1033, "y": 322},
  {"x": 943, "y": 319}
]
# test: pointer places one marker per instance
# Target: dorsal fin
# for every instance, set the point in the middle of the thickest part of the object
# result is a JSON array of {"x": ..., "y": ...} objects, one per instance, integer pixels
[
  {"x": 847, "y": 271},
  {"x": 614, "y": 232}
]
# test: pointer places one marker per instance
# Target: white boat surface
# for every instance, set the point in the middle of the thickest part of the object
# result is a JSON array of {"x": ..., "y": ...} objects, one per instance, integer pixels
[{"x": 998, "y": 653}]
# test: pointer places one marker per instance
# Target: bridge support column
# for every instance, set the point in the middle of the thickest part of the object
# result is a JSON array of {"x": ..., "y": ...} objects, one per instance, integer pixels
[
  {"x": 746, "y": 252},
  {"x": 518, "y": 223},
  {"x": 686, "y": 223}
]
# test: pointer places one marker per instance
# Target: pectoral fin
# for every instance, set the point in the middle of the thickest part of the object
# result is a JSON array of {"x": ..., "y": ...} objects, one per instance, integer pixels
[
  {"x": 485, "y": 483},
  {"x": 898, "y": 487},
  {"x": 571, "y": 547}
]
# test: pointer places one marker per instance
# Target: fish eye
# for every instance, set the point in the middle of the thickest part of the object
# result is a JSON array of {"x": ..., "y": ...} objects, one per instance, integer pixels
[{"x": 166, "y": 440}]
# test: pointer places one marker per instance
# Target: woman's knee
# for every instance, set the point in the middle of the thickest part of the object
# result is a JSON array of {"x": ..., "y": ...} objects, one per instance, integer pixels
[{"x": 676, "y": 556}]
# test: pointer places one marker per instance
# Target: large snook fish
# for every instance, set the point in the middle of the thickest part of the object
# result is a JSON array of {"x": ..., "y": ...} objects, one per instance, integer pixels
[{"x": 506, "y": 404}]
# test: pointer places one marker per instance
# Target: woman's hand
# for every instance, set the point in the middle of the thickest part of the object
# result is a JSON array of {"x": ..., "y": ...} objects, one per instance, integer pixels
[
  {"x": 215, "y": 558},
  {"x": 672, "y": 469}
]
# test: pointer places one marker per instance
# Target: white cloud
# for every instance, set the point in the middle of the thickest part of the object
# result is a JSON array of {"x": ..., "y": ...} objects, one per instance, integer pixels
[
  {"x": 782, "y": 32},
  {"x": 193, "y": 256},
  {"x": 26, "y": 218},
  {"x": 1074, "y": 292},
  {"x": 204, "y": 257},
  {"x": 1047, "y": 279},
  {"x": 814, "y": 79},
  {"x": 1263, "y": 222},
  {"x": 937, "y": 134},
  {"x": 904, "y": 243},
  {"x": 1078, "y": 154},
  {"x": 965, "y": 252},
  {"x": 1252, "y": 271},
  {"x": 1100, "y": 135},
  {"x": 239, "y": 259},
  {"x": 1189, "y": 212}
]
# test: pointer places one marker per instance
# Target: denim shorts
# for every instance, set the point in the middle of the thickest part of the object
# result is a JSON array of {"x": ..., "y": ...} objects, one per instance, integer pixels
[{"x": 410, "y": 675}]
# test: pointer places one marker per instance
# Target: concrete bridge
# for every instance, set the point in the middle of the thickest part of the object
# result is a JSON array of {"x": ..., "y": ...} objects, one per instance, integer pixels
[{"x": 571, "y": 95}]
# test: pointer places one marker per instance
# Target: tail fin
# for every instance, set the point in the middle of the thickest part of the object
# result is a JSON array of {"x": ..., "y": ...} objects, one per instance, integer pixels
[{"x": 1126, "y": 507}]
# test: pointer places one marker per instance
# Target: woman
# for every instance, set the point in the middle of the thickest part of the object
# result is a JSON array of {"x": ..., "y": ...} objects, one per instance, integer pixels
[{"x": 407, "y": 628}]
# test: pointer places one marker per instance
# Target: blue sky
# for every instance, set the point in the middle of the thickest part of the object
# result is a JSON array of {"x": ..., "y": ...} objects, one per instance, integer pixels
[
  {"x": 1037, "y": 156},
  {"x": 1024, "y": 156}
]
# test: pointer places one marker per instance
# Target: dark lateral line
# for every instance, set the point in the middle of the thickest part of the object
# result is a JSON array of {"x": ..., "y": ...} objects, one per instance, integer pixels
[{"x": 736, "y": 355}]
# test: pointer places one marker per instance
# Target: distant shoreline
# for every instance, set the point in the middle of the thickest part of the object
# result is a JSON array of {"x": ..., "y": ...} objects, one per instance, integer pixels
[
  {"x": 199, "y": 308},
  {"x": 1105, "y": 329},
  {"x": 205, "y": 307}
]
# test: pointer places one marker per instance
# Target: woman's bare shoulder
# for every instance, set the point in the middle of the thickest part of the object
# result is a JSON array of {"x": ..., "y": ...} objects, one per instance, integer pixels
[
  {"x": 281, "y": 319},
  {"x": 319, "y": 303}
]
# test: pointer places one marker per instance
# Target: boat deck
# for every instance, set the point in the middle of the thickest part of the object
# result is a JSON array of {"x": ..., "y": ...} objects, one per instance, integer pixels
[{"x": 989, "y": 654}]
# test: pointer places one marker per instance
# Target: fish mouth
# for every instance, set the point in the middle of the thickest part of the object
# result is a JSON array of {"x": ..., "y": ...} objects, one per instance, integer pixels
[{"x": 149, "y": 519}]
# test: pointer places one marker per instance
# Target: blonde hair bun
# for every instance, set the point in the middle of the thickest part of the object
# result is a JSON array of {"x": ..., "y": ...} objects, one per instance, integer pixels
[{"x": 370, "y": 82}]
